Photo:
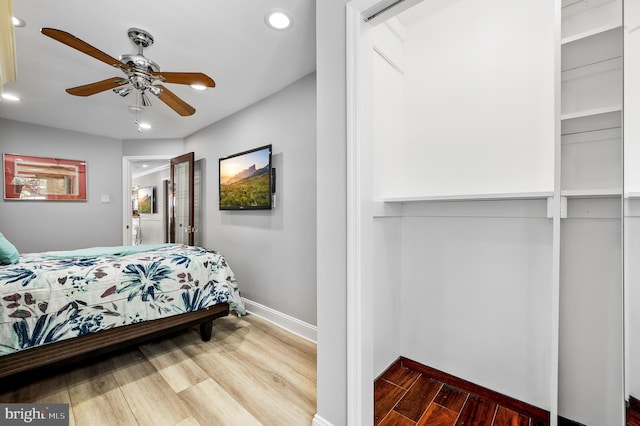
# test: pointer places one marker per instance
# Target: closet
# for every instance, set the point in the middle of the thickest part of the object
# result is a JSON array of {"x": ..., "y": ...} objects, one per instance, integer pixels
[
  {"x": 495, "y": 197},
  {"x": 591, "y": 298}
]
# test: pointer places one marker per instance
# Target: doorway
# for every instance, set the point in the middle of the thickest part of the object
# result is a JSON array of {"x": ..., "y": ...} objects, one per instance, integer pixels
[
  {"x": 152, "y": 175},
  {"x": 137, "y": 172}
]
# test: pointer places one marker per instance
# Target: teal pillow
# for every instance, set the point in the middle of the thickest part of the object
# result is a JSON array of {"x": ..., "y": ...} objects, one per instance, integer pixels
[{"x": 8, "y": 252}]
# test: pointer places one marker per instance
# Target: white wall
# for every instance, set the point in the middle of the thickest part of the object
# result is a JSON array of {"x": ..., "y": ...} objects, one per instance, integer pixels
[
  {"x": 331, "y": 211},
  {"x": 591, "y": 329},
  {"x": 479, "y": 96},
  {"x": 475, "y": 117},
  {"x": 272, "y": 252},
  {"x": 35, "y": 226},
  {"x": 632, "y": 294},
  {"x": 152, "y": 225},
  {"x": 152, "y": 147},
  {"x": 387, "y": 292},
  {"x": 476, "y": 293}
]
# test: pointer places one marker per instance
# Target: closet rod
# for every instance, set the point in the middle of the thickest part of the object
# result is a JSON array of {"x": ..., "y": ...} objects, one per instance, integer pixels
[{"x": 369, "y": 17}]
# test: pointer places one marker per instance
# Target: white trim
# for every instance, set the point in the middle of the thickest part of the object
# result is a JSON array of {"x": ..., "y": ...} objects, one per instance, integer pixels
[
  {"x": 289, "y": 323},
  {"x": 472, "y": 197},
  {"x": 558, "y": 208},
  {"x": 127, "y": 222},
  {"x": 359, "y": 55},
  {"x": 319, "y": 421},
  {"x": 354, "y": 291}
]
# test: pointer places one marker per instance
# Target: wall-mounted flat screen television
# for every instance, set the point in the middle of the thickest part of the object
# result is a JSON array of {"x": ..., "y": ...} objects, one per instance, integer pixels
[{"x": 245, "y": 180}]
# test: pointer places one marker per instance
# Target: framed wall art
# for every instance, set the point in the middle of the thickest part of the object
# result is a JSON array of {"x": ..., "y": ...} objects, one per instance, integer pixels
[
  {"x": 147, "y": 200},
  {"x": 41, "y": 178}
]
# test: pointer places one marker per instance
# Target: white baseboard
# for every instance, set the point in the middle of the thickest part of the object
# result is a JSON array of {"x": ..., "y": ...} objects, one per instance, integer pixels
[
  {"x": 289, "y": 323},
  {"x": 319, "y": 421}
]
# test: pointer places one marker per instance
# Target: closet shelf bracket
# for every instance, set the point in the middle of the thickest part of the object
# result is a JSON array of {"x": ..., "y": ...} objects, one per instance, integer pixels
[{"x": 551, "y": 210}]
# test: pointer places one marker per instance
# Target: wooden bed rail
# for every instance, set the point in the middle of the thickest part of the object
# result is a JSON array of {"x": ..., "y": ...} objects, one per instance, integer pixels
[{"x": 71, "y": 350}]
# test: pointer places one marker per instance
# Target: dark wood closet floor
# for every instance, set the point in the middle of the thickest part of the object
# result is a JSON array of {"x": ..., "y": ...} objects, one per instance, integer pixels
[
  {"x": 409, "y": 394},
  {"x": 633, "y": 412}
]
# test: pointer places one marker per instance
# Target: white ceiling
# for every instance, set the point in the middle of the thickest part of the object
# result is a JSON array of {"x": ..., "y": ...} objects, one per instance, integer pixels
[{"x": 225, "y": 39}]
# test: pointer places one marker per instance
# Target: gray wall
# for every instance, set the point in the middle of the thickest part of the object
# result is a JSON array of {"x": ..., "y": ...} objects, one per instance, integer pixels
[
  {"x": 332, "y": 210},
  {"x": 61, "y": 225},
  {"x": 273, "y": 253},
  {"x": 152, "y": 147}
]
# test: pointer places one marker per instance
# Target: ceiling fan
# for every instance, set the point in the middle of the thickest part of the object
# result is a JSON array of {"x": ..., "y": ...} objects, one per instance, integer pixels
[{"x": 142, "y": 74}]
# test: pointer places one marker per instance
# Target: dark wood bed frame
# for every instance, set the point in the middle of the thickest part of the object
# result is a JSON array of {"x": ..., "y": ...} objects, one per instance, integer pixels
[{"x": 75, "y": 349}]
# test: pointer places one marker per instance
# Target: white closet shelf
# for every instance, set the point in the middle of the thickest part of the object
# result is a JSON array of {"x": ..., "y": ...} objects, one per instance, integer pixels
[
  {"x": 591, "y": 193},
  {"x": 590, "y": 32},
  {"x": 611, "y": 135},
  {"x": 587, "y": 70},
  {"x": 591, "y": 112},
  {"x": 471, "y": 197}
]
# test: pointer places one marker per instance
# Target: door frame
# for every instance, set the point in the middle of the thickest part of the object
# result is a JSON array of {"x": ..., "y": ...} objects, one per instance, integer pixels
[
  {"x": 127, "y": 179},
  {"x": 360, "y": 374},
  {"x": 189, "y": 158}
]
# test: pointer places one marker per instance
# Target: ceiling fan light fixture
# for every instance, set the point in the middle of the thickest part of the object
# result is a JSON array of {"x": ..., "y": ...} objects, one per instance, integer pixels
[
  {"x": 144, "y": 126},
  {"x": 279, "y": 20},
  {"x": 10, "y": 97},
  {"x": 17, "y": 22},
  {"x": 123, "y": 90},
  {"x": 155, "y": 90},
  {"x": 198, "y": 86}
]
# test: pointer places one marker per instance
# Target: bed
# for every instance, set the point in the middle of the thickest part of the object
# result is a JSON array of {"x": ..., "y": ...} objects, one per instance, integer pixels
[{"x": 57, "y": 306}]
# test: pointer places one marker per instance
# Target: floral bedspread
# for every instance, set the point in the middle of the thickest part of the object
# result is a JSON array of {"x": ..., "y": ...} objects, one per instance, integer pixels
[{"x": 45, "y": 299}]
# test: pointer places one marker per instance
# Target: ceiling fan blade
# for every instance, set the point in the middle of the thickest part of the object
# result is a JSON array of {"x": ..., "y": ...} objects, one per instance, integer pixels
[
  {"x": 72, "y": 41},
  {"x": 174, "y": 102},
  {"x": 185, "y": 78},
  {"x": 97, "y": 87}
]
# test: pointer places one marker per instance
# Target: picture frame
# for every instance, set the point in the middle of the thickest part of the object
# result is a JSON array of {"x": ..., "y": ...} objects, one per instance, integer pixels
[
  {"x": 29, "y": 178},
  {"x": 146, "y": 200}
]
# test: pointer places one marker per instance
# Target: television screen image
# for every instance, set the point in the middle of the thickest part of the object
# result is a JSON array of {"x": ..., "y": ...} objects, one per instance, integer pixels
[{"x": 245, "y": 180}]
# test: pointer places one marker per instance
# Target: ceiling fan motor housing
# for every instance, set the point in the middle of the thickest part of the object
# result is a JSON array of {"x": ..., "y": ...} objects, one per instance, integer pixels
[
  {"x": 141, "y": 67},
  {"x": 140, "y": 37}
]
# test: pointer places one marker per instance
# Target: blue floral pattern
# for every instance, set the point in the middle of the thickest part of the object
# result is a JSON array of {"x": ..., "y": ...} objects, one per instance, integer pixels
[{"x": 44, "y": 300}]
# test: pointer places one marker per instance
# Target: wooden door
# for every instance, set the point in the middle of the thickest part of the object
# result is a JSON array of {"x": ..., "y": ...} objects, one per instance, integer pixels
[{"x": 181, "y": 200}]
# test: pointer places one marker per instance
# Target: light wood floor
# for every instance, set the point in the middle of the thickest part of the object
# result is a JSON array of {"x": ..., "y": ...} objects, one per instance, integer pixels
[{"x": 250, "y": 373}]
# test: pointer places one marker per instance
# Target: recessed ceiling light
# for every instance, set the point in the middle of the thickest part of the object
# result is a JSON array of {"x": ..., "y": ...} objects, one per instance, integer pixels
[
  {"x": 17, "y": 22},
  {"x": 278, "y": 20},
  {"x": 10, "y": 97},
  {"x": 199, "y": 86}
]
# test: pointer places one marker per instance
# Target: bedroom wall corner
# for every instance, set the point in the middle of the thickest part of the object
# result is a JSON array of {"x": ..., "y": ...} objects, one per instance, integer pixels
[
  {"x": 35, "y": 226},
  {"x": 272, "y": 252}
]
